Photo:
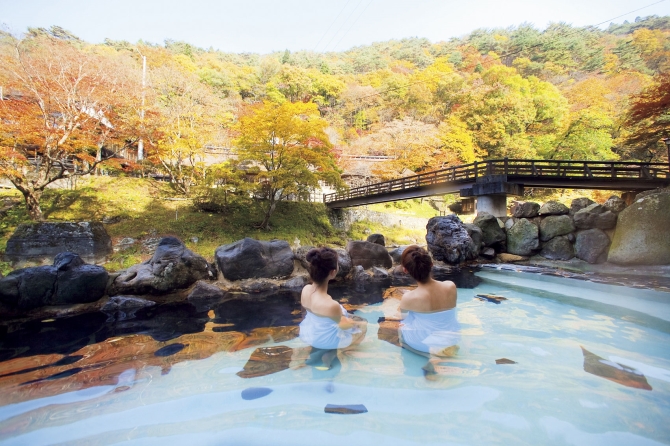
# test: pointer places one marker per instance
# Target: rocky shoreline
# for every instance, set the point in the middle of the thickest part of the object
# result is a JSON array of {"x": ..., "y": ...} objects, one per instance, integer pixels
[{"x": 548, "y": 239}]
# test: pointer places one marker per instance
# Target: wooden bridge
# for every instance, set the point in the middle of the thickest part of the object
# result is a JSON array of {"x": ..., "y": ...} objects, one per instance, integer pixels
[{"x": 502, "y": 177}]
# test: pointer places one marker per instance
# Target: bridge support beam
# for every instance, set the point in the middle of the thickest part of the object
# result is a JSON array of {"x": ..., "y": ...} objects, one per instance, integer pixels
[
  {"x": 492, "y": 194},
  {"x": 495, "y": 205}
]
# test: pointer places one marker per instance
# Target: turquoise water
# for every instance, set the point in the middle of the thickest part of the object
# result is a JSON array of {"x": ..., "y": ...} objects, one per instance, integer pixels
[{"x": 580, "y": 364}]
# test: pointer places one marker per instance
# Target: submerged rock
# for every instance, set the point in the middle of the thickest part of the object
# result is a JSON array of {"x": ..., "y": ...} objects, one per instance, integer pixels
[{"x": 613, "y": 371}]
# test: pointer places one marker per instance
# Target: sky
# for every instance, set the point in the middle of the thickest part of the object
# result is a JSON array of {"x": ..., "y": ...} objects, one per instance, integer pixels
[{"x": 264, "y": 26}]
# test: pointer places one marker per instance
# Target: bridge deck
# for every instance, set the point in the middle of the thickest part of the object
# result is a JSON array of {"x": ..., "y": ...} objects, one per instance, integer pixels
[{"x": 625, "y": 176}]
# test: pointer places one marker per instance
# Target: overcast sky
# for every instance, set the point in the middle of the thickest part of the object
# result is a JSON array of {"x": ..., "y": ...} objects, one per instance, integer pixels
[{"x": 264, "y": 26}]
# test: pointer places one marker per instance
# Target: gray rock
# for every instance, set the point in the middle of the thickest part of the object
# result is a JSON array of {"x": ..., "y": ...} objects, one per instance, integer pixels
[
  {"x": 297, "y": 282},
  {"x": 522, "y": 238},
  {"x": 249, "y": 258},
  {"x": 579, "y": 203},
  {"x": 641, "y": 235},
  {"x": 488, "y": 253},
  {"x": 615, "y": 204},
  {"x": 258, "y": 286},
  {"x": 377, "y": 238},
  {"x": 173, "y": 266},
  {"x": 150, "y": 244},
  {"x": 554, "y": 208},
  {"x": 558, "y": 248},
  {"x": 358, "y": 274},
  {"x": 124, "y": 243},
  {"x": 368, "y": 254},
  {"x": 204, "y": 290},
  {"x": 510, "y": 222},
  {"x": 379, "y": 273},
  {"x": 448, "y": 240},
  {"x": 300, "y": 254},
  {"x": 555, "y": 225},
  {"x": 476, "y": 234},
  {"x": 396, "y": 254},
  {"x": 525, "y": 209},
  {"x": 492, "y": 233},
  {"x": 595, "y": 216},
  {"x": 41, "y": 242},
  {"x": 68, "y": 281},
  {"x": 591, "y": 245},
  {"x": 343, "y": 262},
  {"x": 571, "y": 237}
]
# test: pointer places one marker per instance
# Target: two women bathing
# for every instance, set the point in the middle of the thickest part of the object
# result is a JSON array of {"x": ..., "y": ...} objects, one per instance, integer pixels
[{"x": 429, "y": 325}]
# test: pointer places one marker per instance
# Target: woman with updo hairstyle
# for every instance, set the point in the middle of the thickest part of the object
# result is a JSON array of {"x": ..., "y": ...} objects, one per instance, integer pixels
[
  {"x": 327, "y": 325},
  {"x": 429, "y": 325}
]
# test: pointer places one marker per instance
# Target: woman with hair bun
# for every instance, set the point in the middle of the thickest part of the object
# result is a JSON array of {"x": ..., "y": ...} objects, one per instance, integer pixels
[
  {"x": 327, "y": 325},
  {"x": 429, "y": 323}
]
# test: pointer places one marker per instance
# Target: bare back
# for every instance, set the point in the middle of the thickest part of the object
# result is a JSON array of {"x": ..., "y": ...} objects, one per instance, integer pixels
[
  {"x": 430, "y": 297},
  {"x": 320, "y": 303}
]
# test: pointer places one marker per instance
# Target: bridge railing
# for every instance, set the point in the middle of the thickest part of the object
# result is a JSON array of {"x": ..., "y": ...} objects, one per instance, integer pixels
[{"x": 515, "y": 168}]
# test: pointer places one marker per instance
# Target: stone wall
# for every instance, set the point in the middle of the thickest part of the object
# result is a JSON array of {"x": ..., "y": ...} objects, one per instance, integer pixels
[{"x": 343, "y": 219}]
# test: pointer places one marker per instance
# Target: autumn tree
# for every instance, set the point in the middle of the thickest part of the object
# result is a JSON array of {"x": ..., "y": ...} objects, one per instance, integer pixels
[
  {"x": 648, "y": 120},
  {"x": 190, "y": 117},
  {"x": 289, "y": 144},
  {"x": 62, "y": 104}
]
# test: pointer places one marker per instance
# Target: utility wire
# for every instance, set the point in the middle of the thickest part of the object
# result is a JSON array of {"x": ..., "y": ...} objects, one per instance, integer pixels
[
  {"x": 511, "y": 53},
  {"x": 352, "y": 25},
  {"x": 331, "y": 24},
  {"x": 342, "y": 25}
]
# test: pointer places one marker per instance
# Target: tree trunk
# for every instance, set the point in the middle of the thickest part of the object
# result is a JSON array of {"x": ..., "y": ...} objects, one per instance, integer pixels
[
  {"x": 265, "y": 225},
  {"x": 32, "y": 198}
]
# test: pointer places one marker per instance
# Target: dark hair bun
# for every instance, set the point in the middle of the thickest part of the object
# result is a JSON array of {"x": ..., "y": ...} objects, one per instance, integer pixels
[
  {"x": 321, "y": 262},
  {"x": 417, "y": 262}
]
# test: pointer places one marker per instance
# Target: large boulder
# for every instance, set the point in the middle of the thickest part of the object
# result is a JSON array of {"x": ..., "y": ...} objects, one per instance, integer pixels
[
  {"x": 641, "y": 235},
  {"x": 173, "y": 266},
  {"x": 68, "y": 281},
  {"x": 39, "y": 243},
  {"x": 448, "y": 240},
  {"x": 377, "y": 238},
  {"x": 591, "y": 245},
  {"x": 367, "y": 254},
  {"x": 578, "y": 204},
  {"x": 555, "y": 225},
  {"x": 492, "y": 233},
  {"x": 595, "y": 216},
  {"x": 553, "y": 208},
  {"x": 525, "y": 209},
  {"x": 523, "y": 238},
  {"x": 558, "y": 248},
  {"x": 251, "y": 259}
]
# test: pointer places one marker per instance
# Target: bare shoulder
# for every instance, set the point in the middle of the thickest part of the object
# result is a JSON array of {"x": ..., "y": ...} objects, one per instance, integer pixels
[{"x": 410, "y": 300}]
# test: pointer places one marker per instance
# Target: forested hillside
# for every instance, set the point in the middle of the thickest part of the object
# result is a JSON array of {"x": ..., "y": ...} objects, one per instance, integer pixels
[{"x": 519, "y": 92}]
